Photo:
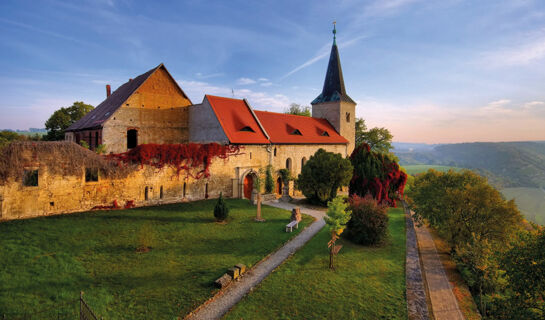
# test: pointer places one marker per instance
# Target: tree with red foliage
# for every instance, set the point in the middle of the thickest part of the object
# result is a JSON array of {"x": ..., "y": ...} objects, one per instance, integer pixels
[
  {"x": 182, "y": 157},
  {"x": 376, "y": 174}
]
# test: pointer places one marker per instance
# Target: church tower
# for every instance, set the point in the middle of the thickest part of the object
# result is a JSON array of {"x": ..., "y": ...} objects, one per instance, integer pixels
[{"x": 333, "y": 103}]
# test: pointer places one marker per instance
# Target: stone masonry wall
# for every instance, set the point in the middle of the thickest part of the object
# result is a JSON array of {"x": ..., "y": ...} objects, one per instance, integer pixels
[{"x": 57, "y": 194}]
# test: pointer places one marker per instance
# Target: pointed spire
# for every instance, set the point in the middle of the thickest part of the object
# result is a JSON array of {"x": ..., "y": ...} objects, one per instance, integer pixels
[{"x": 334, "y": 83}]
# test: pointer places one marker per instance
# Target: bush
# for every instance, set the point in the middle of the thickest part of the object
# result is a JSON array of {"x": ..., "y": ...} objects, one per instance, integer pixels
[
  {"x": 220, "y": 210},
  {"x": 369, "y": 222},
  {"x": 269, "y": 182},
  {"x": 322, "y": 175}
]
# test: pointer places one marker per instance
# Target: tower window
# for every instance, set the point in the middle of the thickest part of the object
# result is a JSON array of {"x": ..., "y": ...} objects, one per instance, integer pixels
[{"x": 348, "y": 117}]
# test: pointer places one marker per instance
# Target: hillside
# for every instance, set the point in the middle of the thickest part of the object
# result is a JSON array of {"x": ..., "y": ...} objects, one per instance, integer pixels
[{"x": 506, "y": 164}]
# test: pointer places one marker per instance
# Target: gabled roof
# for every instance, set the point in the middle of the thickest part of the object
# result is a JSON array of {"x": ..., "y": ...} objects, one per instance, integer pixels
[
  {"x": 334, "y": 89},
  {"x": 292, "y": 129},
  {"x": 236, "y": 117},
  {"x": 97, "y": 117}
]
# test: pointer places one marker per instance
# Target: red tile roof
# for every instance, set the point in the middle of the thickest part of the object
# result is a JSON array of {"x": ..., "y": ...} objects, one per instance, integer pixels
[
  {"x": 235, "y": 116},
  {"x": 281, "y": 128}
]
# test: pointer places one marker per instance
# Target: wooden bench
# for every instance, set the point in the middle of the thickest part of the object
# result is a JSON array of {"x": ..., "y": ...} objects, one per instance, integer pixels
[{"x": 292, "y": 224}]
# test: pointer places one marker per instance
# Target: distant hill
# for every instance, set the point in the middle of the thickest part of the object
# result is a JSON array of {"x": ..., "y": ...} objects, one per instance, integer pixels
[{"x": 506, "y": 164}]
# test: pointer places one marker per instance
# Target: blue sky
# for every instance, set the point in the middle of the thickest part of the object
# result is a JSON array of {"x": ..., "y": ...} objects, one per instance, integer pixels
[{"x": 430, "y": 71}]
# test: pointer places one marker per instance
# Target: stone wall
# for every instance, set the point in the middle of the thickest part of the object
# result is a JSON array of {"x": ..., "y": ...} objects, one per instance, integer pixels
[
  {"x": 342, "y": 115},
  {"x": 56, "y": 194}
]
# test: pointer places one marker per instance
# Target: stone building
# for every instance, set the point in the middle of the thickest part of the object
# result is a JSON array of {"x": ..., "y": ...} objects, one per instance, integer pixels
[{"x": 152, "y": 108}]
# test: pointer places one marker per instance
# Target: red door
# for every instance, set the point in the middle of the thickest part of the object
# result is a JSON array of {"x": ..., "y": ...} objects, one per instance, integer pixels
[{"x": 248, "y": 186}]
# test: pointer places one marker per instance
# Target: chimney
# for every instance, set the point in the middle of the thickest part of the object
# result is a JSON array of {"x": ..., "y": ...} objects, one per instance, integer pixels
[{"x": 108, "y": 90}]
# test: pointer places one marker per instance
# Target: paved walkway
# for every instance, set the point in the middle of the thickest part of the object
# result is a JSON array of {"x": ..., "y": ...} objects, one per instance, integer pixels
[
  {"x": 443, "y": 302},
  {"x": 226, "y": 299}
]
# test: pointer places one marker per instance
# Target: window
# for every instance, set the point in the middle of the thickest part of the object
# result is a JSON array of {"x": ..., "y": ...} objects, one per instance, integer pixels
[
  {"x": 132, "y": 138},
  {"x": 297, "y": 132},
  {"x": 184, "y": 189},
  {"x": 275, "y": 151},
  {"x": 288, "y": 164},
  {"x": 247, "y": 129},
  {"x": 146, "y": 193},
  {"x": 325, "y": 134},
  {"x": 30, "y": 178},
  {"x": 303, "y": 161},
  {"x": 348, "y": 117},
  {"x": 206, "y": 191},
  {"x": 91, "y": 174},
  {"x": 161, "y": 193}
]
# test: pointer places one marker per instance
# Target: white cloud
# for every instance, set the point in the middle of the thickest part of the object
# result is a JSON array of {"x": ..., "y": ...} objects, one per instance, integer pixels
[
  {"x": 245, "y": 81},
  {"x": 383, "y": 7},
  {"x": 525, "y": 53},
  {"x": 262, "y": 79},
  {"x": 266, "y": 84},
  {"x": 258, "y": 100}
]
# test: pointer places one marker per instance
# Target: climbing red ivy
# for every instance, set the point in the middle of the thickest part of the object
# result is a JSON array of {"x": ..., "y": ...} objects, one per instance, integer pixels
[
  {"x": 376, "y": 174},
  {"x": 182, "y": 157}
]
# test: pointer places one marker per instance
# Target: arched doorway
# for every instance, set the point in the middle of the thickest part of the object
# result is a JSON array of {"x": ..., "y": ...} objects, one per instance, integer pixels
[
  {"x": 279, "y": 186},
  {"x": 132, "y": 138},
  {"x": 248, "y": 186}
]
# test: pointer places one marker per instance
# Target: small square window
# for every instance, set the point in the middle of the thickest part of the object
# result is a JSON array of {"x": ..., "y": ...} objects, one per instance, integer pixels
[
  {"x": 91, "y": 174},
  {"x": 30, "y": 178}
]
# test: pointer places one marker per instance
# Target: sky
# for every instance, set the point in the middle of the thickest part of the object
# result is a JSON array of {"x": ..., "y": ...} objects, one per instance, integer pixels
[{"x": 432, "y": 71}]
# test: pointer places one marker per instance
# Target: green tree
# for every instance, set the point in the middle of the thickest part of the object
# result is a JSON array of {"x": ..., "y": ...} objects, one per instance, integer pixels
[
  {"x": 7, "y": 136},
  {"x": 378, "y": 139},
  {"x": 322, "y": 175},
  {"x": 299, "y": 110},
  {"x": 61, "y": 119},
  {"x": 524, "y": 265},
  {"x": 336, "y": 218}
]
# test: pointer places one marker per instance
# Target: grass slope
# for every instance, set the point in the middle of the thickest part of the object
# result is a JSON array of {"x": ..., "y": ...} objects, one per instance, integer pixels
[
  {"x": 45, "y": 262},
  {"x": 369, "y": 283},
  {"x": 530, "y": 201}
]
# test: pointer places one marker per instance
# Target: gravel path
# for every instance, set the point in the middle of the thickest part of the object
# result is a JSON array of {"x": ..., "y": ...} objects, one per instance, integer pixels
[{"x": 226, "y": 299}]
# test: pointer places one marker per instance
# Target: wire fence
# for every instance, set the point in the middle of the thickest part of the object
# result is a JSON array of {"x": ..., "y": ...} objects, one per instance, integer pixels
[{"x": 64, "y": 311}]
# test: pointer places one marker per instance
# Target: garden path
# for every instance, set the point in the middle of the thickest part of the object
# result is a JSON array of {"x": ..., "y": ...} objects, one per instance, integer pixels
[{"x": 225, "y": 300}]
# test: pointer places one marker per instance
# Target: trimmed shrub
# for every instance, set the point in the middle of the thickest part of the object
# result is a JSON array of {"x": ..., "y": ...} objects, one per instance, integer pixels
[
  {"x": 220, "y": 210},
  {"x": 322, "y": 175},
  {"x": 368, "y": 224}
]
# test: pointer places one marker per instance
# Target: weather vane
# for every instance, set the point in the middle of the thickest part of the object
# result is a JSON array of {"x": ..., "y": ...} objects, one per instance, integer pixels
[{"x": 334, "y": 32}]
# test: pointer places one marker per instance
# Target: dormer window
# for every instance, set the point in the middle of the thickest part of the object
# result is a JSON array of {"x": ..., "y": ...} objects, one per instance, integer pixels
[
  {"x": 325, "y": 134},
  {"x": 296, "y": 132},
  {"x": 247, "y": 129}
]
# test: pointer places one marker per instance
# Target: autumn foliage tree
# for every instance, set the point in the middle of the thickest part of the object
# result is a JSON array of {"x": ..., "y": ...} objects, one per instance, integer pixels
[
  {"x": 376, "y": 174},
  {"x": 368, "y": 224}
]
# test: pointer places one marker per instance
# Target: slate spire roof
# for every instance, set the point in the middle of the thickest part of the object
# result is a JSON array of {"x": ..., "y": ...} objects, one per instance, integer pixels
[{"x": 334, "y": 89}]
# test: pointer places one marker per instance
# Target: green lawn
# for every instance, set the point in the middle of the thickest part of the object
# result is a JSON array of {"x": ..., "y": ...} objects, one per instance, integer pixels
[
  {"x": 421, "y": 168},
  {"x": 45, "y": 262},
  {"x": 369, "y": 283}
]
